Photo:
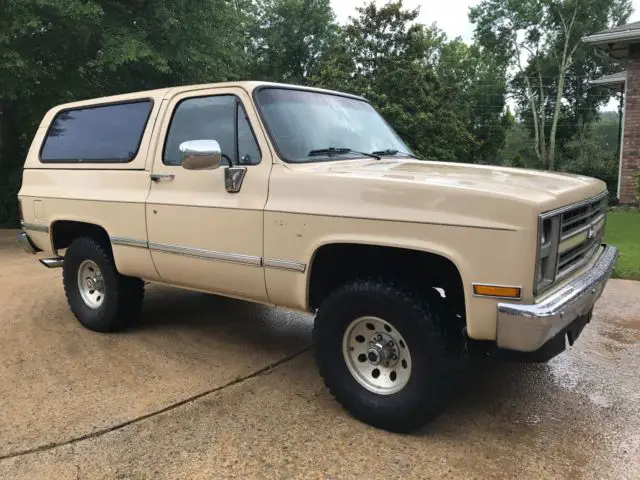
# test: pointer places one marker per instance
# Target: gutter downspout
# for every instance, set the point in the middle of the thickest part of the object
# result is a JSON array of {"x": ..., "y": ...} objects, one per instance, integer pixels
[{"x": 623, "y": 91}]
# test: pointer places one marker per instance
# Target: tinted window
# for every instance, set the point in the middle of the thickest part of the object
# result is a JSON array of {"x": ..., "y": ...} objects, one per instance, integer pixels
[
  {"x": 212, "y": 118},
  {"x": 110, "y": 133},
  {"x": 203, "y": 118}
]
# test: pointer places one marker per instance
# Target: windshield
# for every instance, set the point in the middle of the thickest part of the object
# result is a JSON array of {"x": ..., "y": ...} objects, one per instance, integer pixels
[{"x": 303, "y": 123}]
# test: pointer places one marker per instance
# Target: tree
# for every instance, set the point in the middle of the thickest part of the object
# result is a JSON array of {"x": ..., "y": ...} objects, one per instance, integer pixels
[
  {"x": 540, "y": 40},
  {"x": 53, "y": 51},
  {"x": 479, "y": 86},
  {"x": 290, "y": 37},
  {"x": 432, "y": 91}
]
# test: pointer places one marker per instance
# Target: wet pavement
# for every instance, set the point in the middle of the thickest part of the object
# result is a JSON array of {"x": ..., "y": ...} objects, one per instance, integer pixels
[{"x": 207, "y": 387}]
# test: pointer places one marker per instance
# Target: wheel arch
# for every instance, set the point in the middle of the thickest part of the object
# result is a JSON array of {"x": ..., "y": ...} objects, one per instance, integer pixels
[
  {"x": 63, "y": 231},
  {"x": 350, "y": 253}
]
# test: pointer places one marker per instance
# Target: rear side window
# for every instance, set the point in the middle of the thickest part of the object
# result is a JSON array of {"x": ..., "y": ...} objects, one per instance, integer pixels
[{"x": 100, "y": 134}]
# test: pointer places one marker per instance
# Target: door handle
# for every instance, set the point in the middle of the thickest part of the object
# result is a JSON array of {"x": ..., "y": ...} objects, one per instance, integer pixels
[{"x": 158, "y": 177}]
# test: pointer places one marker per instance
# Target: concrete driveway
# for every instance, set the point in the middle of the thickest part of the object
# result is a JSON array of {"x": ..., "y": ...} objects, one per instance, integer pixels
[{"x": 206, "y": 387}]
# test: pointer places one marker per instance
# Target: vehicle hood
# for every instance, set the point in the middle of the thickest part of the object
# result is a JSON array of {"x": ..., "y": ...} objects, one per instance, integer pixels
[{"x": 547, "y": 189}]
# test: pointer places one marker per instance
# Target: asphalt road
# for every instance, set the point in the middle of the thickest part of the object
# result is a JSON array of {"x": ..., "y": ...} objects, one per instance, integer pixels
[{"x": 207, "y": 387}]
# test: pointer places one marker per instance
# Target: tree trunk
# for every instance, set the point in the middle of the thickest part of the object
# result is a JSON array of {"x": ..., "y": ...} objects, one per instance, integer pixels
[{"x": 556, "y": 116}]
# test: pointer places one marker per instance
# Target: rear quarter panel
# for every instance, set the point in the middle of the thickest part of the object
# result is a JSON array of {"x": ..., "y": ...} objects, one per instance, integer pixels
[{"x": 110, "y": 195}]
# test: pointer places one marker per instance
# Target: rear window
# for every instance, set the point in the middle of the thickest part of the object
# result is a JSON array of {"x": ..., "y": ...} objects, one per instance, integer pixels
[{"x": 100, "y": 134}]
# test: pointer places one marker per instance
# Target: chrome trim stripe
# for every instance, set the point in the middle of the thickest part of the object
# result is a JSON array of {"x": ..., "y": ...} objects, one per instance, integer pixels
[
  {"x": 285, "y": 265},
  {"x": 36, "y": 227},
  {"x": 207, "y": 254},
  {"x": 212, "y": 255},
  {"x": 572, "y": 206},
  {"x": 129, "y": 242}
]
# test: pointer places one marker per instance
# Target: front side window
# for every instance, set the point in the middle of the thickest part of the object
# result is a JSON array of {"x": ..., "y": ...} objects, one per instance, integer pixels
[
  {"x": 212, "y": 118},
  {"x": 97, "y": 134},
  {"x": 303, "y": 123}
]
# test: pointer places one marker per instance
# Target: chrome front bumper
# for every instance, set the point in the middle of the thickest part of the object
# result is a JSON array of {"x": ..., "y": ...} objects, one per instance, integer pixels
[{"x": 527, "y": 328}]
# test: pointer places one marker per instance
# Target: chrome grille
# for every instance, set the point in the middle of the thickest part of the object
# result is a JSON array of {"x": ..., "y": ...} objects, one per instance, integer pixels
[{"x": 581, "y": 232}]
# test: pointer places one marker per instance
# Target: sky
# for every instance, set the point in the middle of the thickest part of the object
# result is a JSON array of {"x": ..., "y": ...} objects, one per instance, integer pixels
[{"x": 451, "y": 16}]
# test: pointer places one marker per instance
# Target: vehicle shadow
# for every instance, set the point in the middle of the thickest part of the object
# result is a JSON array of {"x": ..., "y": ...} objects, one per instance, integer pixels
[
  {"x": 487, "y": 388},
  {"x": 211, "y": 316}
]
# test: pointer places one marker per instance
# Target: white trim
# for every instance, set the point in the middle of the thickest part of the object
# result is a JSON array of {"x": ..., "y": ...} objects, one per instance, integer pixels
[
  {"x": 624, "y": 116},
  {"x": 623, "y": 36}
]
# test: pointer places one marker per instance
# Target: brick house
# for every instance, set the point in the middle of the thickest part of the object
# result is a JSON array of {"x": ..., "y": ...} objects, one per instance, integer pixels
[{"x": 623, "y": 44}]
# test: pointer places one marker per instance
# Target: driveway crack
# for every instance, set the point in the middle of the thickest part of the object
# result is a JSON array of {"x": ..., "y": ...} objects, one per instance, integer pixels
[{"x": 119, "y": 426}]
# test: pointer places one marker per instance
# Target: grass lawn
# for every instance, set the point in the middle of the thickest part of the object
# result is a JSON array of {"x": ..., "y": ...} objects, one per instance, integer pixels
[{"x": 623, "y": 231}]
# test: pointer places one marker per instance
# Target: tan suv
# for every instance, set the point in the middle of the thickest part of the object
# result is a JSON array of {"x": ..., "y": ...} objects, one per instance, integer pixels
[{"x": 307, "y": 199}]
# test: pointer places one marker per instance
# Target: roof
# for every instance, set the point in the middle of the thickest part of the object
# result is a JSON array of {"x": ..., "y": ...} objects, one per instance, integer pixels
[
  {"x": 169, "y": 92},
  {"x": 620, "y": 28},
  {"x": 630, "y": 31},
  {"x": 613, "y": 80},
  {"x": 615, "y": 41}
]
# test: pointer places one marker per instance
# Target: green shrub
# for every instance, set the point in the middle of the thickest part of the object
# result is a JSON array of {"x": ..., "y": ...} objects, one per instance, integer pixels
[{"x": 9, "y": 187}]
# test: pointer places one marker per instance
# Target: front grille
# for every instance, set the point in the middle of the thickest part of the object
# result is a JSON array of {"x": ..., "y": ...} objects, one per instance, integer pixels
[{"x": 581, "y": 232}]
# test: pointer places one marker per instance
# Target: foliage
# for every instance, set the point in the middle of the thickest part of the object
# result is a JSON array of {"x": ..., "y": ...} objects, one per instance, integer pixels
[
  {"x": 623, "y": 231},
  {"x": 478, "y": 80},
  {"x": 593, "y": 152},
  {"x": 445, "y": 97},
  {"x": 52, "y": 51},
  {"x": 289, "y": 37},
  {"x": 434, "y": 92},
  {"x": 541, "y": 40},
  {"x": 587, "y": 156},
  {"x": 518, "y": 148}
]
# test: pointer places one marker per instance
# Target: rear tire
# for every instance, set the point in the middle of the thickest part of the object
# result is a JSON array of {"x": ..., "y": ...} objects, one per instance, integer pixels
[
  {"x": 100, "y": 298},
  {"x": 398, "y": 394}
]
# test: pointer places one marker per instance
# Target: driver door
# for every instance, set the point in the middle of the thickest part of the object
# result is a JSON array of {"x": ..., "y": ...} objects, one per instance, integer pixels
[{"x": 202, "y": 234}]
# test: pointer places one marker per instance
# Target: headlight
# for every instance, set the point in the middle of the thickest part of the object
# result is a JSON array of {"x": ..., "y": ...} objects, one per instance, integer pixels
[{"x": 548, "y": 238}]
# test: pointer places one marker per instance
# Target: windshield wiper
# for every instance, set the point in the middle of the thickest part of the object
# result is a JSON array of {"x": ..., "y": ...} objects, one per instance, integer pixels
[
  {"x": 395, "y": 152},
  {"x": 340, "y": 151}
]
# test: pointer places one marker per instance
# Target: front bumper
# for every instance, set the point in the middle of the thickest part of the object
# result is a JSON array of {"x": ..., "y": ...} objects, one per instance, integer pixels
[{"x": 531, "y": 328}]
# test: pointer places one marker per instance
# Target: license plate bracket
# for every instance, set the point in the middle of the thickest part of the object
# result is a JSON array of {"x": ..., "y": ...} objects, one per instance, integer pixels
[{"x": 576, "y": 328}]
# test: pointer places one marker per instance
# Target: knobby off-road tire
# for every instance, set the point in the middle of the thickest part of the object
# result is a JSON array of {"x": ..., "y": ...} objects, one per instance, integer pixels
[
  {"x": 100, "y": 298},
  {"x": 430, "y": 348}
]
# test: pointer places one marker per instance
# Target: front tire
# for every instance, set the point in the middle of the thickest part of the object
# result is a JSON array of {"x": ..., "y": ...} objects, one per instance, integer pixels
[
  {"x": 389, "y": 358},
  {"x": 100, "y": 298}
]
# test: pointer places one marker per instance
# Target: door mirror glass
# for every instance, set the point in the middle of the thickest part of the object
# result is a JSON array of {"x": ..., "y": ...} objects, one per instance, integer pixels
[{"x": 200, "y": 154}]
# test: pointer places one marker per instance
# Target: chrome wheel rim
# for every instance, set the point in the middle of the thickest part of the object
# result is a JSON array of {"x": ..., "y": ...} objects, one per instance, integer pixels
[
  {"x": 377, "y": 355},
  {"x": 91, "y": 284}
]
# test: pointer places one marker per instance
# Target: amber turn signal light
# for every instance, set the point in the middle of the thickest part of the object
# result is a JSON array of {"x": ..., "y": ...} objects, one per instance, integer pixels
[{"x": 497, "y": 291}]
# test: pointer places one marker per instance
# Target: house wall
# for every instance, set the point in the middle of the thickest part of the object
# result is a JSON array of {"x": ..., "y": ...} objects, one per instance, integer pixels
[{"x": 630, "y": 161}]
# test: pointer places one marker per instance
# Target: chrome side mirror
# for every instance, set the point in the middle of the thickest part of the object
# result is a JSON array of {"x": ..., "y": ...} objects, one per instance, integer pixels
[{"x": 200, "y": 154}]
